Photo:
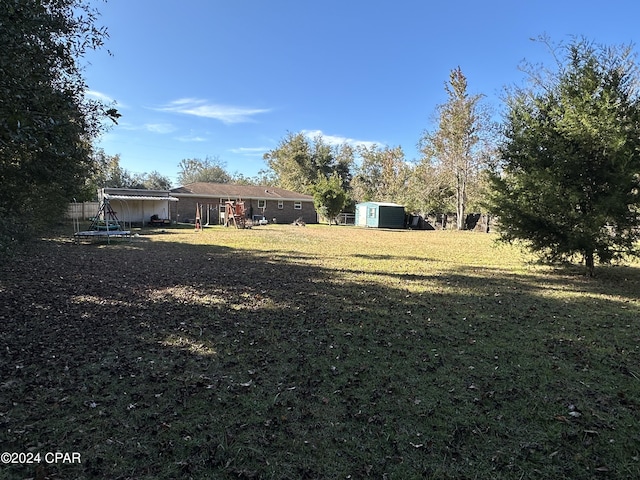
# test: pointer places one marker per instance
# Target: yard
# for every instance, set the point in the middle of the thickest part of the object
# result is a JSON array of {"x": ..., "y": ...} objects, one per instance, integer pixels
[{"x": 285, "y": 352}]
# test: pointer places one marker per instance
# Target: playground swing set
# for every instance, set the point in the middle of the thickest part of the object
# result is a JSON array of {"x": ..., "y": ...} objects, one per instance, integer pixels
[
  {"x": 234, "y": 214},
  {"x": 104, "y": 224}
]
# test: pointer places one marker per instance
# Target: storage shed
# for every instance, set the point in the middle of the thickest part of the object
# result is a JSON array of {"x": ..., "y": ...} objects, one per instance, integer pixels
[{"x": 379, "y": 215}]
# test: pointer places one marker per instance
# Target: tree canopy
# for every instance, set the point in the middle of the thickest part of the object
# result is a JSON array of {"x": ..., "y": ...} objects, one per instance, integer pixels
[
  {"x": 569, "y": 173},
  {"x": 46, "y": 123},
  {"x": 211, "y": 169},
  {"x": 299, "y": 163},
  {"x": 381, "y": 175}
]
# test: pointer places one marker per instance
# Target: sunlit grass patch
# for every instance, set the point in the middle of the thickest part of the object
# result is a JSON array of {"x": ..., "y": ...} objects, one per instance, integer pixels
[{"x": 187, "y": 344}]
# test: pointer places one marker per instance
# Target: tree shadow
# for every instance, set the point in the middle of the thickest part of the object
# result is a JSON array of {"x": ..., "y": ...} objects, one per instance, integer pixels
[{"x": 164, "y": 360}]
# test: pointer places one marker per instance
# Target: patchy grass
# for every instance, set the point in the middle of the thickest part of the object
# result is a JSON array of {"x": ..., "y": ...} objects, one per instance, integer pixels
[{"x": 321, "y": 352}]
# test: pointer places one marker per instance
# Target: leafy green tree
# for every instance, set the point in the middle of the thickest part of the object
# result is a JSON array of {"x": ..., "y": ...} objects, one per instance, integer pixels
[
  {"x": 108, "y": 173},
  {"x": 382, "y": 175},
  {"x": 427, "y": 191},
  {"x": 456, "y": 148},
  {"x": 46, "y": 123},
  {"x": 211, "y": 169},
  {"x": 569, "y": 178},
  {"x": 155, "y": 181},
  {"x": 329, "y": 197},
  {"x": 298, "y": 163},
  {"x": 264, "y": 178}
]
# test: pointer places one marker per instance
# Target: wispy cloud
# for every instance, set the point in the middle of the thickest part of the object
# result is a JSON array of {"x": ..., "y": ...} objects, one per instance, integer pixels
[
  {"x": 191, "y": 138},
  {"x": 337, "y": 140},
  {"x": 103, "y": 97},
  {"x": 250, "y": 151},
  {"x": 99, "y": 96},
  {"x": 161, "y": 128},
  {"x": 202, "y": 108}
]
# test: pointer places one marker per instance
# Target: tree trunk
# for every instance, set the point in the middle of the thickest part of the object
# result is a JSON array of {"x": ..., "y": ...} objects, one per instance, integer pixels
[
  {"x": 589, "y": 262},
  {"x": 460, "y": 200}
]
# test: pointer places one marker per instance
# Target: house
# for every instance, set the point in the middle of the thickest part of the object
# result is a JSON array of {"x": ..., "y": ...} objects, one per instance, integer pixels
[
  {"x": 380, "y": 215},
  {"x": 137, "y": 206},
  {"x": 275, "y": 204}
]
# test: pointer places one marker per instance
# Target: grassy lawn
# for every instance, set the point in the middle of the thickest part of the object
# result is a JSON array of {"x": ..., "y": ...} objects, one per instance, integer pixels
[{"x": 285, "y": 352}]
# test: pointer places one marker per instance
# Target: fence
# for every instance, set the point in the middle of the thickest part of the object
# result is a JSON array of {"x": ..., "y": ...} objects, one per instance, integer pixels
[
  {"x": 82, "y": 211},
  {"x": 474, "y": 221},
  {"x": 346, "y": 219}
]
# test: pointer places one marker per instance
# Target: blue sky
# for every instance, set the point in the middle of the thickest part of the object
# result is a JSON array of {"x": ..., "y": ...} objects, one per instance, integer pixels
[{"x": 230, "y": 78}]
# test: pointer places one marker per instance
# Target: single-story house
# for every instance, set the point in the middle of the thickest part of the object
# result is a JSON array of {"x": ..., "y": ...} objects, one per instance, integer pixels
[
  {"x": 274, "y": 204},
  {"x": 137, "y": 206},
  {"x": 380, "y": 215}
]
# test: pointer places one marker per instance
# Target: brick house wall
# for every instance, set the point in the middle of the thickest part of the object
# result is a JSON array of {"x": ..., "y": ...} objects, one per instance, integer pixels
[{"x": 282, "y": 211}]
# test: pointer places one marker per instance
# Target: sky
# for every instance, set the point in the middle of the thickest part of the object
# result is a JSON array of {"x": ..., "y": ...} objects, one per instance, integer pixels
[{"x": 229, "y": 79}]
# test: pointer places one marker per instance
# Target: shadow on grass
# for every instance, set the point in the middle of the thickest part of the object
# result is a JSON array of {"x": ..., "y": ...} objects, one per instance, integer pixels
[{"x": 164, "y": 360}]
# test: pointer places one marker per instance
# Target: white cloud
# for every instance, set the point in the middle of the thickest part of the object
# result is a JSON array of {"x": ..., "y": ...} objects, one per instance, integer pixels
[
  {"x": 338, "y": 140},
  {"x": 161, "y": 128},
  {"x": 250, "y": 151},
  {"x": 191, "y": 138},
  {"x": 103, "y": 97},
  {"x": 201, "y": 108},
  {"x": 99, "y": 96}
]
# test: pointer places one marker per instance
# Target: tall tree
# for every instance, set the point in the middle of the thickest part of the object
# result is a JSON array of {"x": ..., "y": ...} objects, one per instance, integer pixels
[
  {"x": 46, "y": 123},
  {"x": 291, "y": 163},
  {"x": 427, "y": 191},
  {"x": 155, "y": 181},
  {"x": 264, "y": 178},
  {"x": 382, "y": 175},
  {"x": 569, "y": 178},
  {"x": 455, "y": 147},
  {"x": 107, "y": 172},
  {"x": 299, "y": 163},
  {"x": 211, "y": 169}
]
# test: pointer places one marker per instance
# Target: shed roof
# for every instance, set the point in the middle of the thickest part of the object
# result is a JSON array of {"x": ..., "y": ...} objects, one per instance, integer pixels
[
  {"x": 382, "y": 204},
  {"x": 231, "y": 190},
  {"x": 139, "y": 197},
  {"x": 135, "y": 194}
]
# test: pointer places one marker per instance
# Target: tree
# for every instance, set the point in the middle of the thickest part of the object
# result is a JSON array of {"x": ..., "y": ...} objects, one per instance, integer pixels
[
  {"x": 155, "y": 181},
  {"x": 329, "y": 197},
  {"x": 427, "y": 191},
  {"x": 46, "y": 123},
  {"x": 264, "y": 178},
  {"x": 298, "y": 163},
  {"x": 382, "y": 175},
  {"x": 569, "y": 175},
  {"x": 211, "y": 169},
  {"x": 108, "y": 173},
  {"x": 455, "y": 148}
]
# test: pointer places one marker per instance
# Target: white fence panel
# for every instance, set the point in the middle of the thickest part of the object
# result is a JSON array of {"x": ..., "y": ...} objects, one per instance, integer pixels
[{"x": 82, "y": 211}]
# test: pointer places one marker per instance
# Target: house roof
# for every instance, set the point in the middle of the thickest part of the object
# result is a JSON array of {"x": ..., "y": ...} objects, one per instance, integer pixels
[{"x": 233, "y": 191}]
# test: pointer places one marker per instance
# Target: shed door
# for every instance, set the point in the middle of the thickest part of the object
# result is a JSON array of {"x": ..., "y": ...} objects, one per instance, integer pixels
[{"x": 362, "y": 215}]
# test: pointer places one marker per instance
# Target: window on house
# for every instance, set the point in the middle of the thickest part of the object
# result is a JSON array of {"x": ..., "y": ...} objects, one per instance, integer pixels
[
  {"x": 280, "y": 204},
  {"x": 262, "y": 204},
  {"x": 372, "y": 212},
  {"x": 297, "y": 205}
]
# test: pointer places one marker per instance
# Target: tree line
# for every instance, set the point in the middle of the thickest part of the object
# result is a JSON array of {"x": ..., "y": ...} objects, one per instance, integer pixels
[{"x": 561, "y": 169}]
